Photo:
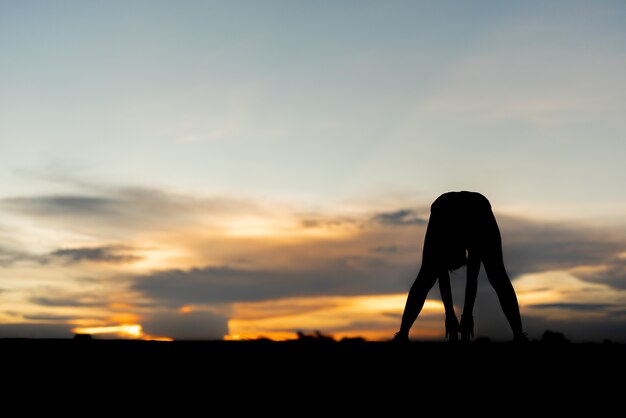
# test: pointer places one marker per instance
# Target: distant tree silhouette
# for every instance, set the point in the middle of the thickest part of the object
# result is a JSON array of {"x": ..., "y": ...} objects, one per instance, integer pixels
[
  {"x": 317, "y": 336},
  {"x": 352, "y": 340}
]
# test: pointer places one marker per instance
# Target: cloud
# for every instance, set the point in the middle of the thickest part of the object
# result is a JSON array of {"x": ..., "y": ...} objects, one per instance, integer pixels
[
  {"x": 51, "y": 317},
  {"x": 89, "y": 301},
  {"x": 613, "y": 273},
  {"x": 105, "y": 254},
  {"x": 401, "y": 217},
  {"x": 107, "y": 211},
  {"x": 195, "y": 325},
  {"x": 132, "y": 213},
  {"x": 584, "y": 307},
  {"x": 347, "y": 276},
  {"x": 35, "y": 330},
  {"x": 9, "y": 257},
  {"x": 62, "y": 205},
  {"x": 328, "y": 222},
  {"x": 534, "y": 246},
  {"x": 115, "y": 254},
  {"x": 386, "y": 249},
  {"x": 295, "y": 254},
  {"x": 371, "y": 261}
]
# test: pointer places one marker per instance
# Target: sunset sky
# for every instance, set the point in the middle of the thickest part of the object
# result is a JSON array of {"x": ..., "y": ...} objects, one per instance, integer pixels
[{"x": 244, "y": 169}]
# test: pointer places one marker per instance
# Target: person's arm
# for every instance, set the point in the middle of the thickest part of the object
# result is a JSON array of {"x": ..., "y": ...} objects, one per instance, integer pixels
[
  {"x": 424, "y": 281},
  {"x": 471, "y": 286},
  {"x": 452, "y": 323}
]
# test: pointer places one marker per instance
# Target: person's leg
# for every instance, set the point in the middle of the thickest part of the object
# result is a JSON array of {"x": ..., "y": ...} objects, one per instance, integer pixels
[
  {"x": 499, "y": 279},
  {"x": 415, "y": 301}
]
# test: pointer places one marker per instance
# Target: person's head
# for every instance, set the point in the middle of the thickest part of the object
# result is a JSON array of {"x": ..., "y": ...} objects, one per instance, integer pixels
[
  {"x": 454, "y": 257},
  {"x": 447, "y": 244}
]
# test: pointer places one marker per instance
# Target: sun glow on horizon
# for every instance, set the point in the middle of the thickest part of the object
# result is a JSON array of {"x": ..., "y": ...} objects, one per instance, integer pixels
[
  {"x": 373, "y": 318},
  {"x": 133, "y": 331},
  {"x": 124, "y": 330}
]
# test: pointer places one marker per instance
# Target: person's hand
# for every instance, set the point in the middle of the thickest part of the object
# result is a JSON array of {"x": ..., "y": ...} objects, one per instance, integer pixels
[
  {"x": 467, "y": 328},
  {"x": 452, "y": 328}
]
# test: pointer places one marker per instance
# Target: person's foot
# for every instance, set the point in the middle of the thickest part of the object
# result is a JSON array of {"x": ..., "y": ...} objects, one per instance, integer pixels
[{"x": 400, "y": 338}]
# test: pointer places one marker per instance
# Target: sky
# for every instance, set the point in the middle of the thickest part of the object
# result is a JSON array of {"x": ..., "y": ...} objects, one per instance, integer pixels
[{"x": 247, "y": 169}]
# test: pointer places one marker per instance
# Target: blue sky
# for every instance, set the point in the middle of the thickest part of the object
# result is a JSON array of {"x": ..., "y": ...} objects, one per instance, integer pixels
[{"x": 280, "y": 111}]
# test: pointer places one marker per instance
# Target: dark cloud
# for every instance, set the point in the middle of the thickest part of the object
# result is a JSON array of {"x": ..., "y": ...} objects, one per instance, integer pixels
[
  {"x": 531, "y": 246},
  {"x": 109, "y": 211},
  {"x": 117, "y": 254},
  {"x": 583, "y": 307},
  {"x": 347, "y": 276},
  {"x": 197, "y": 325},
  {"x": 51, "y": 317},
  {"x": 106, "y": 254},
  {"x": 328, "y": 222},
  {"x": 69, "y": 301},
  {"x": 613, "y": 274},
  {"x": 8, "y": 257},
  {"x": 401, "y": 217},
  {"x": 62, "y": 205},
  {"x": 36, "y": 330}
]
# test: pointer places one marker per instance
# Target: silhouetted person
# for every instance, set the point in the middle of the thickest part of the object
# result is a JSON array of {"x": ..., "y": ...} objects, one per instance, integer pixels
[{"x": 462, "y": 230}]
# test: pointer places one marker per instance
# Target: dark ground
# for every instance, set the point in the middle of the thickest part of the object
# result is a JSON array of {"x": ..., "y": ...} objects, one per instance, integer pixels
[
  {"x": 317, "y": 355},
  {"x": 562, "y": 375}
]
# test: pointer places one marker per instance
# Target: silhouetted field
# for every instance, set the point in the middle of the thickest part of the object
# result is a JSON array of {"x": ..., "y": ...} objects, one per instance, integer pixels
[
  {"x": 315, "y": 355},
  {"x": 324, "y": 373}
]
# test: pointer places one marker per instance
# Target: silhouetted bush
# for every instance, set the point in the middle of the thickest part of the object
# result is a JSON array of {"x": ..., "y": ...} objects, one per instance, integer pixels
[
  {"x": 317, "y": 336},
  {"x": 552, "y": 337}
]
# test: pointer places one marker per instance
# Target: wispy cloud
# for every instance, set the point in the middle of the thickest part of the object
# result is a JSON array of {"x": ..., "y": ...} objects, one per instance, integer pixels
[
  {"x": 9, "y": 256},
  {"x": 585, "y": 307},
  {"x": 106, "y": 254},
  {"x": 74, "y": 301},
  {"x": 51, "y": 317},
  {"x": 401, "y": 217},
  {"x": 62, "y": 205},
  {"x": 110, "y": 210},
  {"x": 534, "y": 246},
  {"x": 613, "y": 273},
  {"x": 386, "y": 249}
]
